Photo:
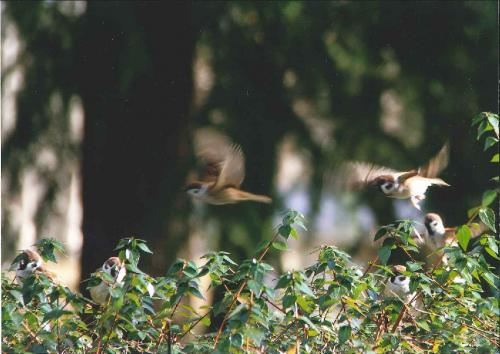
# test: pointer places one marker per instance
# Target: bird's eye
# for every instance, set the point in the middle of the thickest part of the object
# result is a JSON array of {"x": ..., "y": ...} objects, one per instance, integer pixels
[
  {"x": 34, "y": 264},
  {"x": 401, "y": 278},
  {"x": 434, "y": 223},
  {"x": 388, "y": 185},
  {"x": 113, "y": 272}
]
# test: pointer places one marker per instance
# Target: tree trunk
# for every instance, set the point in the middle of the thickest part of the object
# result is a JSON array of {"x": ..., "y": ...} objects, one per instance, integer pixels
[{"x": 136, "y": 88}]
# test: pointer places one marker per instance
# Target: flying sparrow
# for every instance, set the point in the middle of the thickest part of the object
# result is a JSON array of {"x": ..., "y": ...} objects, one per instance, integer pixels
[
  {"x": 116, "y": 269},
  {"x": 224, "y": 172},
  {"x": 401, "y": 185},
  {"x": 27, "y": 263}
]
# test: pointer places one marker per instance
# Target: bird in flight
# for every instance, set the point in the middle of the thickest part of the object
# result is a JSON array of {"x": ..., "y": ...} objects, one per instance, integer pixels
[
  {"x": 224, "y": 171},
  {"x": 395, "y": 184}
]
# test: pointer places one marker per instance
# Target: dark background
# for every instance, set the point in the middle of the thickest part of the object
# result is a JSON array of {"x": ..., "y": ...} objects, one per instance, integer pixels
[{"x": 324, "y": 75}]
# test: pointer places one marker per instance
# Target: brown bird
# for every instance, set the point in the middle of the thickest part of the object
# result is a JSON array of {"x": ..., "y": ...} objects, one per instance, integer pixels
[
  {"x": 224, "y": 171},
  {"x": 29, "y": 262},
  {"x": 116, "y": 269},
  {"x": 401, "y": 185}
]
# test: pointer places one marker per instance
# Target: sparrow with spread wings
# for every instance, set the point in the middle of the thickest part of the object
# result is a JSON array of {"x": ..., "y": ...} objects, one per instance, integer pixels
[
  {"x": 224, "y": 171},
  {"x": 394, "y": 184}
]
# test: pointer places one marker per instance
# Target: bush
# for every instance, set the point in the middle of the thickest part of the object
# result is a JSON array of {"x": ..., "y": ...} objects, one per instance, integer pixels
[{"x": 331, "y": 306}]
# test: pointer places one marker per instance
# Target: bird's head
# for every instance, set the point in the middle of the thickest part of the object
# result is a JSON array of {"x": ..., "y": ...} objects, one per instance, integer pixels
[
  {"x": 115, "y": 268},
  {"x": 386, "y": 184},
  {"x": 27, "y": 262},
  {"x": 195, "y": 189},
  {"x": 399, "y": 279},
  {"x": 434, "y": 224}
]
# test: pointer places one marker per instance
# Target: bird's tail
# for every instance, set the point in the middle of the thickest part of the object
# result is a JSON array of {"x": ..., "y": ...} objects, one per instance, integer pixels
[{"x": 254, "y": 197}]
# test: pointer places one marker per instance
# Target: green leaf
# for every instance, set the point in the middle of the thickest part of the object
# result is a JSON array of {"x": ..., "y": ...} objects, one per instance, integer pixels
[
  {"x": 472, "y": 211},
  {"x": 487, "y": 216},
  {"x": 380, "y": 233},
  {"x": 423, "y": 324},
  {"x": 236, "y": 340},
  {"x": 195, "y": 292},
  {"x": 492, "y": 243},
  {"x": 206, "y": 321},
  {"x": 294, "y": 234},
  {"x": 384, "y": 253},
  {"x": 280, "y": 245},
  {"x": 493, "y": 120},
  {"x": 489, "y": 277},
  {"x": 254, "y": 286},
  {"x": 463, "y": 236},
  {"x": 412, "y": 266},
  {"x": 144, "y": 248},
  {"x": 492, "y": 253},
  {"x": 285, "y": 230},
  {"x": 289, "y": 300},
  {"x": 489, "y": 142},
  {"x": 495, "y": 158},
  {"x": 488, "y": 197},
  {"x": 283, "y": 281},
  {"x": 344, "y": 334},
  {"x": 304, "y": 304},
  {"x": 55, "y": 314}
]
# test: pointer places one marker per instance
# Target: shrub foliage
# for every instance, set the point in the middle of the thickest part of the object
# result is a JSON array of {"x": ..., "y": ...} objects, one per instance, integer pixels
[{"x": 331, "y": 306}]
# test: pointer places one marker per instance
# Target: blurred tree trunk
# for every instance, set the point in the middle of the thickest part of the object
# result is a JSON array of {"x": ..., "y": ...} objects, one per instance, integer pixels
[{"x": 136, "y": 88}]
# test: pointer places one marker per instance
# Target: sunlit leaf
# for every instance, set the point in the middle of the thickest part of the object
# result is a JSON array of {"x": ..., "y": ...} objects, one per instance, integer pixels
[
  {"x": 463, "y": 236},
  {"x": 487, "y": 216}
]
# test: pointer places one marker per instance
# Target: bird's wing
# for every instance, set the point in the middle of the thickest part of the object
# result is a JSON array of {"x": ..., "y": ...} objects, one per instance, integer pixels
[
  {"x": 356, "y": 175},
  {"x": 405, "y": 175},
  {"x": 232, "y": 169},
  {"x": 437, "y": 164},
  {"x": 223, "y": 162}
]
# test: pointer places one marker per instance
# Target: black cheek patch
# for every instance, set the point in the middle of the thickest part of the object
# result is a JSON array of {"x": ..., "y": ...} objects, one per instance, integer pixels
[{"x": 22, "y": 265}]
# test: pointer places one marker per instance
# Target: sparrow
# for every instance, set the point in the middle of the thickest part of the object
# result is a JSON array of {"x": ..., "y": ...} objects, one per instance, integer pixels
[
  {"x": 401, "y": 185},
  {"x": 438, "y": 235},
  {"x": 398, "y": 285},
  {"x": 224, "y": 166},
  {"x": 29, "y": 262},
  {"x": 116, "y": 269}
]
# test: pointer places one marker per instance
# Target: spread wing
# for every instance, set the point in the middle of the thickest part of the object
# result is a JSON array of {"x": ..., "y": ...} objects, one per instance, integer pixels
[
  {"x": 356, "y": 175},
  {"x": 223, "y": 162},
  {"x": 437, "y": 164},
  {"x": 232, "y": 170}
]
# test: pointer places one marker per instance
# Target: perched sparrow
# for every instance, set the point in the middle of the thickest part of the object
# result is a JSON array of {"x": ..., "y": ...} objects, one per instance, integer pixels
[
  {"x": 398, "y": 285},
  {"x": 224, "y": 172},
  {"x": 27, "y": 263},
  {"x": 116, "y": 269},
  {"x": 402, "y": 185},
  {"x": 438, "y": 235}
]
